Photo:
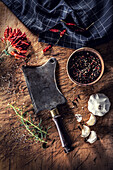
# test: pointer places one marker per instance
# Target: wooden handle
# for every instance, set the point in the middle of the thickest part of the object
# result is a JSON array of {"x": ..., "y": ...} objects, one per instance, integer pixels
[{"x": 62, "y": 133}]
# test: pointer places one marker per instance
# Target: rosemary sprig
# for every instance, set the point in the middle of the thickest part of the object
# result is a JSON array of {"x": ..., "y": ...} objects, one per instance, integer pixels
[{"x": 35, "y": 131}]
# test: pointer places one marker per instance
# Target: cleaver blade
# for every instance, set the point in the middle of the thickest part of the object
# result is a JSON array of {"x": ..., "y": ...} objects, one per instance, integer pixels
[{"x": 42, "y": 87}]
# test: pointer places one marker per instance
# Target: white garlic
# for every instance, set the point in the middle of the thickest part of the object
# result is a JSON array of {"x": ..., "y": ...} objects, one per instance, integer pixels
[
  {"x": 85, "y": 131},
  {"x": 91, "y": 121},
  {"x": 93, "y": 137},
  {"x": 99, "y": 104},
  {"x": 78, "y": 117}
]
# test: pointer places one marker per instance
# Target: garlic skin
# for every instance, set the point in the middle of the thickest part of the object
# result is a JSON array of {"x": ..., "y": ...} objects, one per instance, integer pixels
[
  {"x": 78, "y": 117},
  {"x": 93, "y": 137},
  {"x": 85, "y": 131},
  {"x": 99, "y": 104},
  {"x": 91, "y": 121}
]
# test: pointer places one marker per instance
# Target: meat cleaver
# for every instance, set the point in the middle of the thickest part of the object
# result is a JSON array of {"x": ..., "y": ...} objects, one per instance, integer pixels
[{"x": 45, "y": 94}]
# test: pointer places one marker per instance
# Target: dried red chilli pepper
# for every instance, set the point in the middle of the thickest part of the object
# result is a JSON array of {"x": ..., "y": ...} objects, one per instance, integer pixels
[
  {"x": 71, "y": 24},
  {"x": 18, "y": 42},
  {"x": 17, "y": 56},
  {"x": 24, "y": 43},
  {"x": 54, "y": 30},
  {"x": 62, "y": 33},
  {"x": 20, "y": 37},
  {"x": 6, "y": 32},
  {"x": 19, "y": 31},
  {"x": 47, "y": 48},
  {"x": 14, "y": 31},
  {"x": 10, "y": 31}
]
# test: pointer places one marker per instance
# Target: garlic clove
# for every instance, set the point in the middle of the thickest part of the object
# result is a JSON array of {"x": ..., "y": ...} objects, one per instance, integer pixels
[
  {"x": 78, "y": 117},
  {"x": 85, "y": 131},
  {"x": 93, "y": 137},
  {"x": 91, "y": 121}
]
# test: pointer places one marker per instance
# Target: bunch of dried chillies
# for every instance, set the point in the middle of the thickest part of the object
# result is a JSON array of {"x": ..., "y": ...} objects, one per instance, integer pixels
[{"x": 16, "y": 43}]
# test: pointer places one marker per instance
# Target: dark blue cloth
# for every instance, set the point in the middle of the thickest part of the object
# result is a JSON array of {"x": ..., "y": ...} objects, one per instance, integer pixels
[{"x": 41, "y": 15}]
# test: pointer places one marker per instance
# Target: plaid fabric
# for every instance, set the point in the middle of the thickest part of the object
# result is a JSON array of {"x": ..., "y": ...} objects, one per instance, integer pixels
[{"x": 41, "y": 15}]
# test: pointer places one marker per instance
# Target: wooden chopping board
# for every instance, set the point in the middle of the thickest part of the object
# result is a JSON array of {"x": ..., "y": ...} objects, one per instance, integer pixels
[{"x": 18, "y": 153}]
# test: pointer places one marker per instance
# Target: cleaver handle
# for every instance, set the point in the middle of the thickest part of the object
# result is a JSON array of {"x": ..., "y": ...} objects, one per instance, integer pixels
[{"x": 62, "y": 133}]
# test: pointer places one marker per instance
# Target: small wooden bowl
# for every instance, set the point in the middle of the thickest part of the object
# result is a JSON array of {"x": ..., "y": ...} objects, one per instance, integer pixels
[{"x": 88, "y": 50}]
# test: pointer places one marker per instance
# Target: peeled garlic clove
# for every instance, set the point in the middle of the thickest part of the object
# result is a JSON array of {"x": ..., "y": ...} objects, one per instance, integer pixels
[
  {"x": 78, "y": 117},
  {"x": 93, "y": 137},
  {"x": 91, "y": 121},
  {"x": 85, "y": 131}
]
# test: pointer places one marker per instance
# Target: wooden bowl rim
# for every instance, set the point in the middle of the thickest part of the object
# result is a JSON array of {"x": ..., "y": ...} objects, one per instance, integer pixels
[{"x": 90, "y": 50}]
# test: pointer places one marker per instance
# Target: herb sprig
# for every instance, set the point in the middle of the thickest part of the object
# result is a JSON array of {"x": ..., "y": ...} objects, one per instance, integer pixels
[{"x": 37, "y": 132}]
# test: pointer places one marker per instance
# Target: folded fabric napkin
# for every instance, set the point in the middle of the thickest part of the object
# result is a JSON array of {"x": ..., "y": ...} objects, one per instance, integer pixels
[{"x": 42, "y": 15}]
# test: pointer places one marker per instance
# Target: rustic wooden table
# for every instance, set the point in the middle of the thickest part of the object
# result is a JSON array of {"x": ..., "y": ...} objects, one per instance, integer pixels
[{"x": 18, "y": 153}]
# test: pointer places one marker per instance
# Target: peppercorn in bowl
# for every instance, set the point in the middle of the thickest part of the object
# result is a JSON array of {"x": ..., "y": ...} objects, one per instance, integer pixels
[{"x": 85, "y": 66}]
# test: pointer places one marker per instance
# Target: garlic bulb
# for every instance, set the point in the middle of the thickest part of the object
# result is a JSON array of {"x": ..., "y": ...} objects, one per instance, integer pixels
[
  {"x": 91, "y": 121},
  {"x": 78, "y": 117},
  {"x": 99, "y": 104},
  {"x": 93, "y": 137},
  {"x": 85, "y": 131}
]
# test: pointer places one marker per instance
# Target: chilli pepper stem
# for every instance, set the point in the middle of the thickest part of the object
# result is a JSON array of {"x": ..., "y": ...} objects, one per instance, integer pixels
[
  {"x": 57, "y": 41},
  {"x": 90, "y": 26}
]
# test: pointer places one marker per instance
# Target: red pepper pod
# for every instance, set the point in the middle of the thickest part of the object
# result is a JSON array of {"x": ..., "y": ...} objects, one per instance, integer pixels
[
  {"x": 71, "y": 24},
  {"x": 15, "y": 45},
  {"x": 10, "y": 31},
  {"x": 23, "y": 35},
  {"x": 13, "y": 40},
  {"x": 21, "y": 51},
  {"x": 19, "y": 42},
  {"x": 17, "y": 38},
  {"x": 54, "y": 30},
  {"x": 14, "y": 31},
  {"x": 17, "y": 56},
  {"x": 10, "y": 36},
  {"x": 62, "y": 33},
  {"x": 6, "y": 32},
  {"x": 18, "y": 31},
  {"x": 24, "y": 43},
  {"x": 47, "y": 48}
]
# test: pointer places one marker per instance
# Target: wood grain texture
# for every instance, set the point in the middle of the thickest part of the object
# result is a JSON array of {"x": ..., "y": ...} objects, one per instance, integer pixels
[{"x": 16, "y": 152}]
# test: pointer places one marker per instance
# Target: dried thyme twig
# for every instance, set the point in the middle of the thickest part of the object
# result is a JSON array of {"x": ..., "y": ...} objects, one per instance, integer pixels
[{"x": 35, "y": 131}]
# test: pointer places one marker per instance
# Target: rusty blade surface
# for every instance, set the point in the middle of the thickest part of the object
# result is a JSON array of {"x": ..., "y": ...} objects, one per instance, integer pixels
[{"x": 42, "y": 87}]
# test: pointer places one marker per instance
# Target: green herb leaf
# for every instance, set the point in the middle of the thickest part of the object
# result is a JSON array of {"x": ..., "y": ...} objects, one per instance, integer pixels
[{"x": 36, "y": 132}]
